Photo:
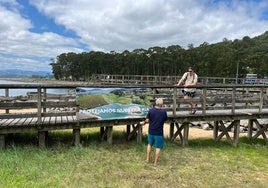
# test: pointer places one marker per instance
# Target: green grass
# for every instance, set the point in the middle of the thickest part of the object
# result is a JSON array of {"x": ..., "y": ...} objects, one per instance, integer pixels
[{"x": 204, "y": 163}]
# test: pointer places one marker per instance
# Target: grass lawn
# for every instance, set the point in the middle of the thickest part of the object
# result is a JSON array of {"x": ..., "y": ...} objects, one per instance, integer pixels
[{"x": 204, "y": 163}]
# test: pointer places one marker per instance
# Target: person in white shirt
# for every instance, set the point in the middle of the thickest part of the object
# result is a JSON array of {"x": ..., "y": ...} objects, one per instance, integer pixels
[{"x": 190, "y": 79}]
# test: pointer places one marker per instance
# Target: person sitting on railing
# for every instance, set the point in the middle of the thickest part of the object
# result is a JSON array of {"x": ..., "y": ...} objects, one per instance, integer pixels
[{"x": 190, "y": 79}]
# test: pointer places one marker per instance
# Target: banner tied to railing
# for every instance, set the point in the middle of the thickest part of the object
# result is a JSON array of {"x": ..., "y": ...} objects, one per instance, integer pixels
[{"x": 112, "y": 103}]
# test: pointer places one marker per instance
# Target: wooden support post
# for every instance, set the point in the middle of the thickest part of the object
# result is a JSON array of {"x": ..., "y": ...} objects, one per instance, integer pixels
[
  {"x": 10, "y": 137},
  {"x": 215, "y": 130},
  {"x": 260, "y": 130},
  {"x": 109, "y": 134},
  {"x": 139, "y": 135},
  {"x": 102, "y": 132},
  {"x": 178, "y": 132},
  {"x": 128, "y": 130},
  {"x": 76, "y": 136},
  {"x": 185, "y": 134},
  {"x": 225, "y": 132},
  {"x": 171, "y": 130},
  {"x": 135, "y": 131},
  {"x": 236, "y": 132},
  {"x": 2, "y": 141},
  {"x": 42, "y": 139},
  {"x": 250, "y": 128}
]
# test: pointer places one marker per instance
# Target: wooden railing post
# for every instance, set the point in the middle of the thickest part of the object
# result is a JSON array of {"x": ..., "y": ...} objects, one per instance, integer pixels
[
  {"x": 174, "y": 101},
  {"x": 7, "y": 95},
  {"x": 233, "y": 99},
  {"x": 45, "y": 98},
  {"x": 261, "y": 99},
  {"x": 204, "y": 101},
  {"x": 39, "y": 107}
]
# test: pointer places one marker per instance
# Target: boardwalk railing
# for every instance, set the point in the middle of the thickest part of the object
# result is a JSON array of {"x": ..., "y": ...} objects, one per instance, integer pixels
[
  {"x": 117, "y": 79},
  {"x": 36, "y": 110},
  {"x": 40, "y": 111}
]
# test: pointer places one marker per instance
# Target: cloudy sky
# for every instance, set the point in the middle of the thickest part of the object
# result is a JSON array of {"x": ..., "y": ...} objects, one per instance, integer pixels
[{"x": 32, "y": 32}]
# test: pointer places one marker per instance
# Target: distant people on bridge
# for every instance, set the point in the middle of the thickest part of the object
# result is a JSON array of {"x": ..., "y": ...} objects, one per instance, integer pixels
[
  {"x": 190, "y": 79},
  {"x": 155, "y": 117}
]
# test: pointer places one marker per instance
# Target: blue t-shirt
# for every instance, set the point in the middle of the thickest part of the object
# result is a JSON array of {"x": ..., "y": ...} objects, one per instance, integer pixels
[{"x": 157, "y": 118}]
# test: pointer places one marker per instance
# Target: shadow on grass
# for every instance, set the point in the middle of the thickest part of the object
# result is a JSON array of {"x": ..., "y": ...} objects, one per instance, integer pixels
[
  {"x": 65, "y": 139},
  {"x": 208, "y": 142},
  {"x": 93, "y": 138}
]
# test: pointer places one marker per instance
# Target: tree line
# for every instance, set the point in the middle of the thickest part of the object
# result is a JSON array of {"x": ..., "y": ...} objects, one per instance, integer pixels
[{"x": 223, "y": 59}]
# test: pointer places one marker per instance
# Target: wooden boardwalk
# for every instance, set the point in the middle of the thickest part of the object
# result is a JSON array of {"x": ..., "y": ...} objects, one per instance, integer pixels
[
  {"x": 117, "y": 79},
  {"x": 216, "y": 103}
]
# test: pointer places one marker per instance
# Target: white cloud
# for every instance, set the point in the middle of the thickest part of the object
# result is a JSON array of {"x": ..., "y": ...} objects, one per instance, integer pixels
[
  {"x": 130, "y": 24},
  {"x": 117, "y": 25},
  {"x": 21, "y": 48}
]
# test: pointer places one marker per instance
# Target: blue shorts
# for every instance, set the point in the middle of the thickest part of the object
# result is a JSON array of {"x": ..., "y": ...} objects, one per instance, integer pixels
[
  {"x": 157, "y": 140},
  {"x": 189, "y": 94}
]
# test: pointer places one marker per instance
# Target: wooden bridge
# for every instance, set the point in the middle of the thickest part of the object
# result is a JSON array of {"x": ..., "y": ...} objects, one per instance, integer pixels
[{"x": 225, "y": 105}]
